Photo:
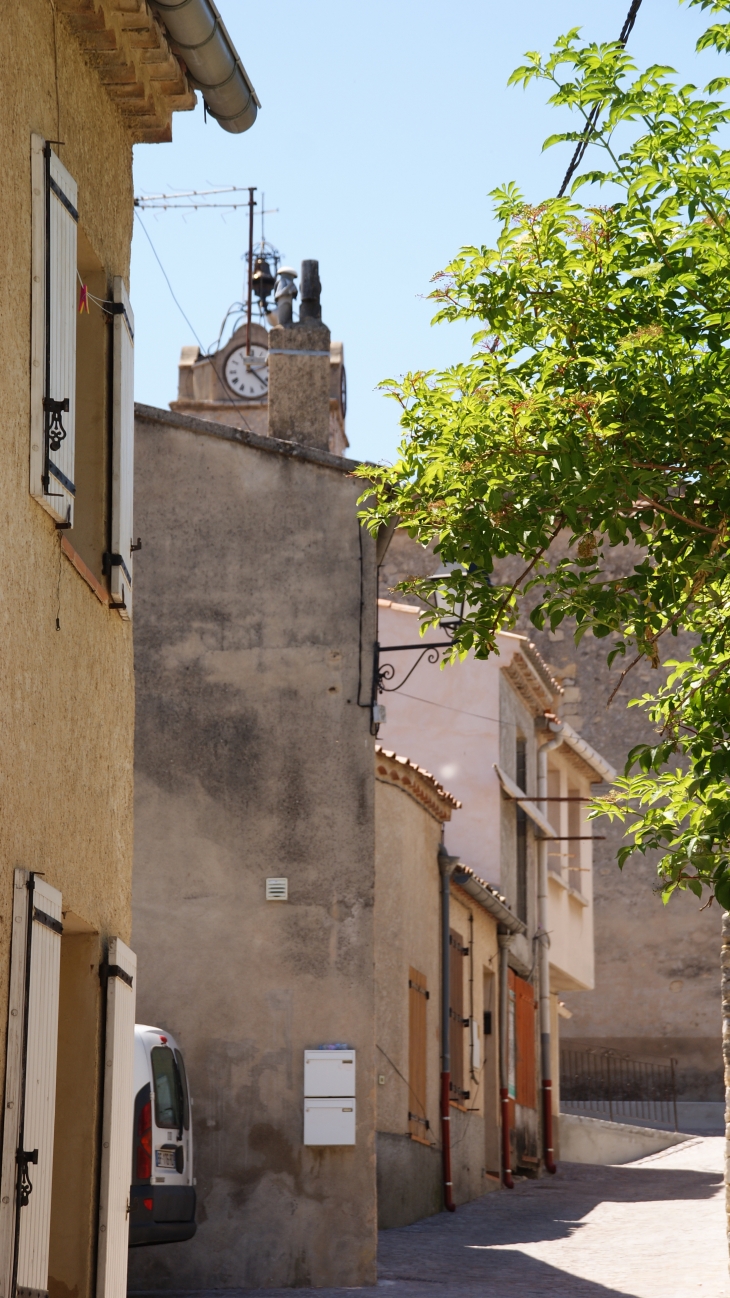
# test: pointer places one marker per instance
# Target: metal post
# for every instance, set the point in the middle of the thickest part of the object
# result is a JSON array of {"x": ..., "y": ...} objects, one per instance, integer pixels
[
  {"x": 610, "y": 1095},
  {"x": 446, "y": 868},
  {"x": 672, "y": 1065},
  {"x": 504, "y": 940},
  {"x": 251, "y": 205}
]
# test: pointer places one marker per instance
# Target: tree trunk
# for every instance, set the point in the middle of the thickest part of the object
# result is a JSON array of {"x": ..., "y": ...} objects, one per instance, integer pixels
[{"x": 725, "y": 965}]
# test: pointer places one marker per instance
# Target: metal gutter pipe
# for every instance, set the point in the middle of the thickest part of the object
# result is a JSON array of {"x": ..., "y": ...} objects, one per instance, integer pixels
[
  {"x": 504, "y": 940},
  {"x": 447, "y": 865},
  {"x": 198, "y": 35},
  {"x": 543, "y": 937},
  {"x": 487, "y": 898}
]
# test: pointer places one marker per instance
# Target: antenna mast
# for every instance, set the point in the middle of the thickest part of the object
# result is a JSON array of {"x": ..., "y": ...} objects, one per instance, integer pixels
[{"x": 251, "y": 205}]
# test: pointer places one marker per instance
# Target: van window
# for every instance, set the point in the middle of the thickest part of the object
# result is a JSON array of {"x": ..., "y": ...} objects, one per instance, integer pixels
[
  {"x": 168, "y": 1088},
  {"x": 184, "y": 1082}
]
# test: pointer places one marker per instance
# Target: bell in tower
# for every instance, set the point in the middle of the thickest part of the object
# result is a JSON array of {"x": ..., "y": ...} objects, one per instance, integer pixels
[{"x": 291, "y": 388}]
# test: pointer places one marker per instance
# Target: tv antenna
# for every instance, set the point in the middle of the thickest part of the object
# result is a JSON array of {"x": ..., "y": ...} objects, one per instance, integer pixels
[{"x": 259, "y": 256}]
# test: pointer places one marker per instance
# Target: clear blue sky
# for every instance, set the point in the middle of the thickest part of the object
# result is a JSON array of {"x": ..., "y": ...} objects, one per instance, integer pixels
[{"x": 383, "y": 128}]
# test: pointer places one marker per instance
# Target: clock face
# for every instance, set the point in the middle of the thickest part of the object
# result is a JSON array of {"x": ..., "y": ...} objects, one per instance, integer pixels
[{"x": 248, "y": 376}]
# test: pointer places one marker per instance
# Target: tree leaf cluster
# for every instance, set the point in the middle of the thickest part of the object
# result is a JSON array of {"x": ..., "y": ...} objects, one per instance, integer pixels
[{"x": 596, "y": 405}]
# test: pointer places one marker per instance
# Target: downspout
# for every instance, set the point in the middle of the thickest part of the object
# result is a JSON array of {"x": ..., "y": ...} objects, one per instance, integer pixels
[
  {"x": 198, "y": 36},
  {"x": 543, "y": 938},
  {"x": 504, "y": 940},
  {"x": 447, "y": 865}
]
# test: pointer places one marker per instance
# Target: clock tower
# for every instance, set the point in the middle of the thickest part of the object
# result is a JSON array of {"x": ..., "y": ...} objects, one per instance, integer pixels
[{"x": 293, "y": 388}]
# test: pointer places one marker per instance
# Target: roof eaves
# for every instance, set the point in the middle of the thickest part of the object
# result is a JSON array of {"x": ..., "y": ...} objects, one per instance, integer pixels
[
  {"x": 488, "y": 898},
  {"x": 603, "y": 769}
]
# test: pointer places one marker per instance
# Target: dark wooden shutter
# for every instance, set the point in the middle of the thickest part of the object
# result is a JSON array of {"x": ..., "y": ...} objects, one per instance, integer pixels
[
  {"x": 525, "y": 1042},
  {"x": 417, "y": 1018},
  {"x": 457, "y": 951}
]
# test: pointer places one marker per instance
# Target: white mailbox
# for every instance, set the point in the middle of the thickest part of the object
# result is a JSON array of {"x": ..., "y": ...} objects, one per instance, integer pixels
[
  {"x": 329, "y": 1097},
  {"x": 329, "y": 1073},
  {"x": 329, "y": 1121}
]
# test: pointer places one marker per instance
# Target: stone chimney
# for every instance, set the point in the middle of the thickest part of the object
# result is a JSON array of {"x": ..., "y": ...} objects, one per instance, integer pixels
[{"x": 299, "y": 371}]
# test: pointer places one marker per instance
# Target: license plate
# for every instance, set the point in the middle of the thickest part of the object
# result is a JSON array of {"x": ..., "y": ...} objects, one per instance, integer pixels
[{"x": 165, "y": 1158}]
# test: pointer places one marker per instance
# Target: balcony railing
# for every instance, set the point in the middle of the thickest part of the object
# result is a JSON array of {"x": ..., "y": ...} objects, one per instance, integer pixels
[{"x": 606, "y": 1084}]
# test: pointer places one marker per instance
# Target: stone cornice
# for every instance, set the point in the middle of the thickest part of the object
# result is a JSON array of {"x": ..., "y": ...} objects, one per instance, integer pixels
[{"x": 128, "y": 49}]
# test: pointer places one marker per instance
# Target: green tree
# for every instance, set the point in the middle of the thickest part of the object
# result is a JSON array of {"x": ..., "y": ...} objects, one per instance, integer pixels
[{"x": 596, "y": 404}]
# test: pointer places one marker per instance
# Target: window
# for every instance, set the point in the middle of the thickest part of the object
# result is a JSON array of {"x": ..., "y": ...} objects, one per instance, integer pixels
[
  {"x": 555, "y": 851},
  {"x": 169, "y": 1106},
  {"x": 457, "y": 1022},
  {"x": 521, "y": 830},
  {"x": 417, "y": 1001},
  {"x": 82, "y": 385},
  {"x": 53, "y": 333},
  {"x": 574, "y": 847}
]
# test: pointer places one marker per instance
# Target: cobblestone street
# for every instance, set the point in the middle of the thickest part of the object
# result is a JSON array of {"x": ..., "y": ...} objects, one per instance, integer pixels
[{"x": 652, "y": 1229}]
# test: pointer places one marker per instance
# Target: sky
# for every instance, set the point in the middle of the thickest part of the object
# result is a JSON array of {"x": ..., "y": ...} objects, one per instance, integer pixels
[{"x": 383, "y": 128}]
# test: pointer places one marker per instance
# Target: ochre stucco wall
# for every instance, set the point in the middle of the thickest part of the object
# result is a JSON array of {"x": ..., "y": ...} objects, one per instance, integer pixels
[
  {"x": 67, "y": 716},
  {"x": 66, "y": 721},
  {"x": 408, "y": 934}
]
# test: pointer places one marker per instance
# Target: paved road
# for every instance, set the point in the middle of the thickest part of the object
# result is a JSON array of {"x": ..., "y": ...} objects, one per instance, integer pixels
[{"x": 652, "y": 1229}]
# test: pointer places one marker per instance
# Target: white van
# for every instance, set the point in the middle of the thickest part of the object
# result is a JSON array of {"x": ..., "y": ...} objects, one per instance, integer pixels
[{"x": 162, "y": 1196}]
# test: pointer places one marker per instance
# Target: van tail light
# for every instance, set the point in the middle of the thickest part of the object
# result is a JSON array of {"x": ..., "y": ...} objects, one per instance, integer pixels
[{"x": 144, "y": 1143}]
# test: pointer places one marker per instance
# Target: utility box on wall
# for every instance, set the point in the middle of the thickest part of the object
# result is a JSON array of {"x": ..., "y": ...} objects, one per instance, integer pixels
[{"x": 329, "y": 1097}]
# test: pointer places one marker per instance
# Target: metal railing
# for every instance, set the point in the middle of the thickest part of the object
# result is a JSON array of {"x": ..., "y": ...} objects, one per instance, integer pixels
[{"x": 603, "y": 1083}]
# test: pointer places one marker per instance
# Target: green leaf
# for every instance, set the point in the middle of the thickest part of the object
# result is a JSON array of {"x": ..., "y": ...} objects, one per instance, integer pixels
[{"x": 722, "y": 892}]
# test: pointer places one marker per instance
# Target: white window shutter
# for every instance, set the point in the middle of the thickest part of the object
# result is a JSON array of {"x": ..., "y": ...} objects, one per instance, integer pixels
[
  {"x": 53, "y": 332},
  {"x": 30, "y": 1086},
  {"x": 123, "y": 452},
  {"x": 116, "y": 1152}
]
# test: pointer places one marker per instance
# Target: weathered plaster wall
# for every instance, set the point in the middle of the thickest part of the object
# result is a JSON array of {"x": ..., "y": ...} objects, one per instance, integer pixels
[
  {"x": 408, "y": 934},
  {"x": 253, "y": 760},
  {"x": 657, "y": 981},
  {"x": 657, "y": 991},
  {"x": 516, "y": 719},
  {"x": 475, "y": 1124},
  {"x": 447, "y": 721},
  {"x": 570, "y": 877}
]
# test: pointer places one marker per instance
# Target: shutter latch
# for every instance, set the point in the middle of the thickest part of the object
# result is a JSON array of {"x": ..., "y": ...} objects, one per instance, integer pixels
[
  {"x": 25, "y": 1186},
  {"x": 55, "y": 430}
]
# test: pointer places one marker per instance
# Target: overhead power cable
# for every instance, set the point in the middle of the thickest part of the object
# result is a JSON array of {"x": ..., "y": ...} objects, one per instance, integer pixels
[
  {"x": 167, "y": 281},
  {"x": 584, "y": 141}
]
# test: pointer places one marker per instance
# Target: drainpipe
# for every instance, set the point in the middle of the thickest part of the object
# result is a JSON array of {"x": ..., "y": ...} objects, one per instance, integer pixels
[
  {"x": 504, "y": 940},
  {"x": 543, "y": 937},
  {"x": 198, "y": 36},
  {"x": 447, "y": 865}
]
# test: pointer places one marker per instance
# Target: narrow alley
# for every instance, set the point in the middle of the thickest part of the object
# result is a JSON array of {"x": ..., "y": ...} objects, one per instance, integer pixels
[{"x": 651, "y": 1229}]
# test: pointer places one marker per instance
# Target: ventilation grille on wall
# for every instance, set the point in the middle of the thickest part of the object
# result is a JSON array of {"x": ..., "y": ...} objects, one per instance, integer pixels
[{"x": 277, "y": 889}]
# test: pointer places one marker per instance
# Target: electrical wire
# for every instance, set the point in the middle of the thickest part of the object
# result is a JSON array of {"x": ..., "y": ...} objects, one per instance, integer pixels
[
  {"x": 230, "y": 400},
  {"x": 167, "y": 281},
  {"x": 410, "y": 1088},
  {"x": 584, "y": 141},
  {"x": 462, "y": 711}
]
